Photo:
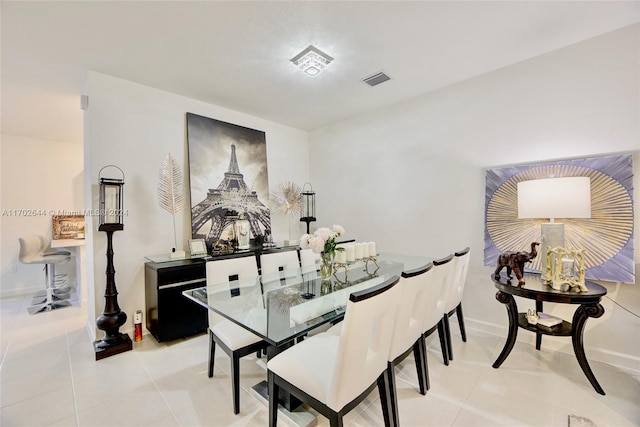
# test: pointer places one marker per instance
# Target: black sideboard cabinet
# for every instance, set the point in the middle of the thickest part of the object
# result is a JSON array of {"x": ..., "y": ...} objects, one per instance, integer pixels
[{"x": 169, "y": 315}]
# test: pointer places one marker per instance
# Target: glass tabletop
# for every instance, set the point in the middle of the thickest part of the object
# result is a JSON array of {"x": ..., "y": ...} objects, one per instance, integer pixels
[{"x": 288, "y": 304}]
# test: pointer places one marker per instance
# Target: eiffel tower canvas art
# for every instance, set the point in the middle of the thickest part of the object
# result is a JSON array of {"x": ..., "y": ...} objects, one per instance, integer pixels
[{"x": 228, "y": 180}]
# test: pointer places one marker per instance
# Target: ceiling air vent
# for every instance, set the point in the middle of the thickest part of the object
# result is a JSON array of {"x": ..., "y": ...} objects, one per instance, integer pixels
[{"x": 376, "y": 79}]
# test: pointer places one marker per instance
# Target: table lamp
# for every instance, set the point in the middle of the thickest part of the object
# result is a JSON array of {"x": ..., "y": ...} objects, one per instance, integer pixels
[{"x": 568, "y": 197}]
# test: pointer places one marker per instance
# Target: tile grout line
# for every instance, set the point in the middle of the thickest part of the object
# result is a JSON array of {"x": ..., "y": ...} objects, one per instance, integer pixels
[
  {"x": 155, "y": 386},
  {"x": 73, "y": 382}
]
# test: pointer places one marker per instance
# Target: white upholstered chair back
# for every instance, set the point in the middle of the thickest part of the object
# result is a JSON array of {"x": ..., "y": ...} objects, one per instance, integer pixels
[
  {"x": 442, "y": 275},
  {"x": 459, "y": 278},
  {"x": 272, "y": 263},
  {"x": 364, "y": 344},
  {"x": 416, "y": 288},
  {"x": 308, "y": 258},
  {"x": 219, "y": 271}
]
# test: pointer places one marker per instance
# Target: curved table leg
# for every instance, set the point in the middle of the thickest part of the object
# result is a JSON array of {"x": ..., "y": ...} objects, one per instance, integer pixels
[
  {"x": 512, "y": 312},
  {"x": 538, "y": 334},
  {"x": 579, "y": 320}
]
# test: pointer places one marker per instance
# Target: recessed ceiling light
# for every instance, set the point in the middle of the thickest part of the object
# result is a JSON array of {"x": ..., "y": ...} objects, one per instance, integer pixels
[{"x": 311, "y": 60}]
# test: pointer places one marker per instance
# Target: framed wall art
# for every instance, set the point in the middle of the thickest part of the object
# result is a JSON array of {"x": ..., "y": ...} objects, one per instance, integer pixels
[
  {"x": 68, "y": 227},
  {"x": 607, "y": 237},
  {"x": 228, "y": 181}
]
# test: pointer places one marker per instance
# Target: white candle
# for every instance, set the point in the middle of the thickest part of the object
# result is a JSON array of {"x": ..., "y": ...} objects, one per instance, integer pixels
[
  {"x": 350, "y": 253},
  {"x": 372, "y": 249},
  {"x": 365, "y": 250},
  {"x": 358, "y": 250},
  {"x": 341, "y": 257}
]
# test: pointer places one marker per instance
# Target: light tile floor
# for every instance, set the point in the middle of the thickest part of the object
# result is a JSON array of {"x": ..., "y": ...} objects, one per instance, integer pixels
[{"x": 48, "y": 377}]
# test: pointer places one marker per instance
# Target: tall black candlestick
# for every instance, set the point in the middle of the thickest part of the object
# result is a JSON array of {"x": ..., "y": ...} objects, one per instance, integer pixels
[{"x": 112, "y": 317}]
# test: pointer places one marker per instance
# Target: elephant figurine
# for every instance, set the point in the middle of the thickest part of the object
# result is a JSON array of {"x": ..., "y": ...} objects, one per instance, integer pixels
[{"x": 514, "y": 261}]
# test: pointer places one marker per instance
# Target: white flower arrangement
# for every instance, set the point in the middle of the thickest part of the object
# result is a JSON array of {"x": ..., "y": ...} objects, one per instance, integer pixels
[{"x": 323, "y": 239}]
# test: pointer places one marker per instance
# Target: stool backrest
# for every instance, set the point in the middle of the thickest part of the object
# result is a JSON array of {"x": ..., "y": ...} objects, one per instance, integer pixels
[
  {"x": 364, "y": 342},
  {"x": 31, "y": 249}
]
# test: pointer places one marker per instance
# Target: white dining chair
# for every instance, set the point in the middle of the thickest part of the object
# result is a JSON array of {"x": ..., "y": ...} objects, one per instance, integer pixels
[
  {"x": 453, "y": 304},
  {"x": 280, "y": 266},
  {"x": 435, "y": 307},
  {"x": 332, "y": 373},
  {"x": 416, "y": 288},
  {"x": 234, "y": 340},
  {"x": 309, "y": 260}
]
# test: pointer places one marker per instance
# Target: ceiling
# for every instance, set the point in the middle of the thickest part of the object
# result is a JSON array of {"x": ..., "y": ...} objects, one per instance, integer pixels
[{"x": 236, "y": 54}]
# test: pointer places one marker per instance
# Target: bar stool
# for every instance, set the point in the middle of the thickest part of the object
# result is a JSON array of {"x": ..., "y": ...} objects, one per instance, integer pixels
[{"x": 33, "y": 250}]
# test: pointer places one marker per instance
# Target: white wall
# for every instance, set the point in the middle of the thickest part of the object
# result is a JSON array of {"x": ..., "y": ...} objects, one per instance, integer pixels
[
  {"x": 38, "y": 177},
  {"x": 411, "y": 176},
  {"x": 134, "y": 127}
]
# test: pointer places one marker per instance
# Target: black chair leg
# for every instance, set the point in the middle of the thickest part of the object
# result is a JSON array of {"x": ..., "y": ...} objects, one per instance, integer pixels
[
  {"x": 389, "y": 407},
  {"x": 447, "y": 331},
  {"x": 463, "y": 332},
  {"x": 235, "y": 382},
  {"x": 212, "y": 353},
  {"x": 420, "y": 360},
  {"x": 393, "y": 395},
  {"x": 274, "y": 390},
  {"x": 443, "y": 341}
]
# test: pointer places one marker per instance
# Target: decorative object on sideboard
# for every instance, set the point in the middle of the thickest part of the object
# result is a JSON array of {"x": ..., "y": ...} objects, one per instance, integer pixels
[
  {"x": 308, "y": 205},
  {"x": 111, "y": 220},
  {"x": 532, "y": 317},
  {"x": 171, "y": 195},
  {"x": 565, "y": 269},
  {"x": 286, "y": 199},
  {"x": 514, "y": 261},
  {"x": 197, "y": 247},
  {"x": 566, "y": 197}
]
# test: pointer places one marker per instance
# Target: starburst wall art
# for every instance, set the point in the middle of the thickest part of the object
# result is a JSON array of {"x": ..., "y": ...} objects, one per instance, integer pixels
[{"x": 607, "y": 237}]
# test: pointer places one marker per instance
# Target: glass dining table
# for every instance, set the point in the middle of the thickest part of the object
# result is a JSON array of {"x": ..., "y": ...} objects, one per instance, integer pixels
[
  {"x": 283, "y": 306},
  {"x": 286, "y": 305}
]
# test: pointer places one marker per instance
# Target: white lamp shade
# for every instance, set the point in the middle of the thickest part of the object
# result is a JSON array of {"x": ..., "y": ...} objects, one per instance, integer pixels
[{"x": 568, "y": 197}]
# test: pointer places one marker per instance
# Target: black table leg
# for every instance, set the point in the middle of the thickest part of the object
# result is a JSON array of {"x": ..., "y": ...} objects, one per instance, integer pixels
[
  {"x": 538, "y": 334},
  {"x": 512, "y": 312},
  {"x": 579, "y": 320}
]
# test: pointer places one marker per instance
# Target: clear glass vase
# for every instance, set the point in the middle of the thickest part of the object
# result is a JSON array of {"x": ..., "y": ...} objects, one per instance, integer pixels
[{"x": 326, "y": 268}]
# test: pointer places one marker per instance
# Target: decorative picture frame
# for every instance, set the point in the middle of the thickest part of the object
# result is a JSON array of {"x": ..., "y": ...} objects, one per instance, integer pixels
[
  {"x": 228, "y": 180},
  {"x": 68, "y": 227},
  {"x": 197, "y": 247},
  {"x": 608, "y": 256}
]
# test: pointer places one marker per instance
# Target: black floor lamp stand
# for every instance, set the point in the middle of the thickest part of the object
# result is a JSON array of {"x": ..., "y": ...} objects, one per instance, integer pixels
[{"x": 112, "y": 317}]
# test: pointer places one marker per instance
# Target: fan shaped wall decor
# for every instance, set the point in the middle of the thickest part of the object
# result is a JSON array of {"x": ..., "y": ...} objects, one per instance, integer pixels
[
  {"x": 286, "y": 198},
  {"x": 607, "y": 236}
]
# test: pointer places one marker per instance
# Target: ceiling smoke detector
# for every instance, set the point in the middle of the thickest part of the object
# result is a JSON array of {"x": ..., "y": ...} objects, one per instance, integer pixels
[
  {"x": 376, "y": 79},
  {"x": 311, "y": 60}
]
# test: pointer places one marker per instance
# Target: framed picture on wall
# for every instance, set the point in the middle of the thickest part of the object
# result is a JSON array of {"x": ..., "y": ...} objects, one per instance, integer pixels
[
  {"x": 68, "y": 227},
  {"x": 228, "y": 180},
  {"x": 607, "y": 236}
]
